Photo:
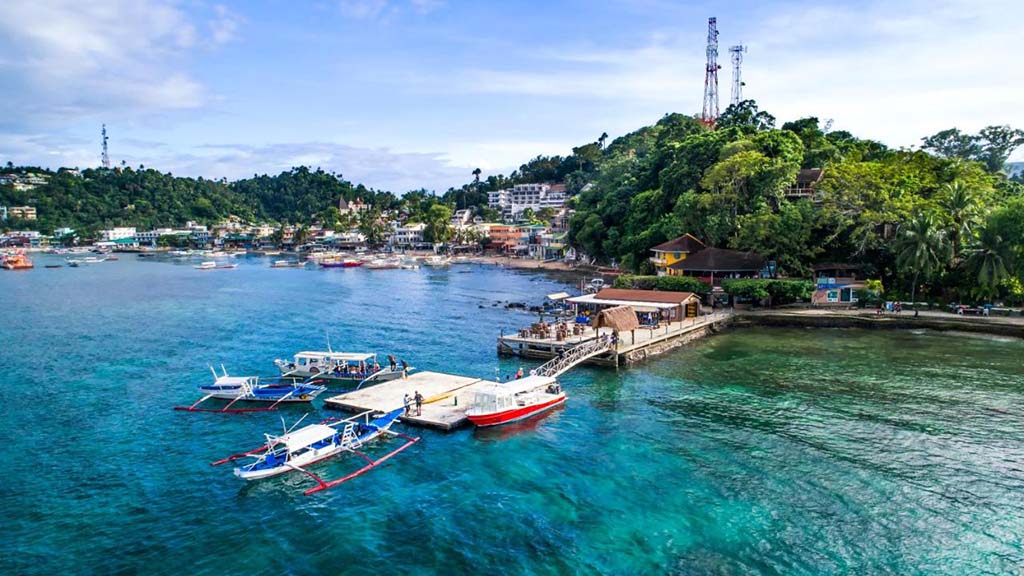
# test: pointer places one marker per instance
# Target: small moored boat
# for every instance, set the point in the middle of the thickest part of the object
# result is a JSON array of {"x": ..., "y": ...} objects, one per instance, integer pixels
[
  {"x": 211, "y": 265},
  {"x": 294, "y": 450},
  {"x": 16, "y": 261},
  {"x": 253, "y": 389},
  {"x": 340, "y": 367},
  {"x": 503, "y": 403},
  {"x": 346, "y": 263}
]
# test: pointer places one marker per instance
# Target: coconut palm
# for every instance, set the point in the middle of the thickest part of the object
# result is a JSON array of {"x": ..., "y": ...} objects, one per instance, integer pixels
[
  {"x": 601, "y": 140},
  {"x": 989, "y": 261},
  {"x": 921, "y": 247},
  {"x": 963, "y": 208}
]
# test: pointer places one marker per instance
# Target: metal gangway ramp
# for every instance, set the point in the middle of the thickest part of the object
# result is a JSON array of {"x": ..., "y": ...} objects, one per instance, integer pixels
[{"x": 575, "y": 355}]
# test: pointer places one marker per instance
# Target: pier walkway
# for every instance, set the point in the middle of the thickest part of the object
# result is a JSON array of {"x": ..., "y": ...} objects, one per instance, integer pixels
[{"x": 576, "y": 355}]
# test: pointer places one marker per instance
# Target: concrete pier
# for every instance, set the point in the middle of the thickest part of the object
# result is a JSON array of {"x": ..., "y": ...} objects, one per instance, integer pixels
[{"x": 446, "y": 397}]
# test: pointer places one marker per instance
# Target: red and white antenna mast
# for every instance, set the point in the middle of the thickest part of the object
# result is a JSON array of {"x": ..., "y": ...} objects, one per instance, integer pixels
[{"x": 710, "y": 112}]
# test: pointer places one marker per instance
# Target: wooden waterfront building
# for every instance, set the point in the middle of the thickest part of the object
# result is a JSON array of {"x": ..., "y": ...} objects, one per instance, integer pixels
[
  {"x": 649, "y": 306},
  {"x": 714, "y": 264}
]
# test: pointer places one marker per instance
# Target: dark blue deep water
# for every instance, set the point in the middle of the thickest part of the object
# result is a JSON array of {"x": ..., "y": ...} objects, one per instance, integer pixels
[{"x": 759, "y": 451}]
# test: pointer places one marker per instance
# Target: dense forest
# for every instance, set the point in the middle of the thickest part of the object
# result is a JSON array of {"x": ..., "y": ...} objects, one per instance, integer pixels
[
  {"x": 946, "y": 219},
  {"x": 147, "y": 198}
]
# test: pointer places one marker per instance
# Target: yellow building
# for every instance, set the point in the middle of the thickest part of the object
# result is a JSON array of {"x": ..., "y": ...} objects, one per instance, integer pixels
[{"x": 676, "y": 250}]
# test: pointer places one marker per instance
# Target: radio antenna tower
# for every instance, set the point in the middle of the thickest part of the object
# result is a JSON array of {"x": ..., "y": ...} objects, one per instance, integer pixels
[
  {"x": 737, "y": 78},
  {"x": 105, "y": 158},
  {"x": 710, "y": 112}
]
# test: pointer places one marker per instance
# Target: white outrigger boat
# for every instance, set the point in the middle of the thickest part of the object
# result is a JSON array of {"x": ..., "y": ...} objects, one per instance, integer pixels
[
  {"x": 294, "y": 450},
  {"x": 340, "y": 367},
  {"x": 253, "y": 389},
  {"x": 211, "y": 265}
]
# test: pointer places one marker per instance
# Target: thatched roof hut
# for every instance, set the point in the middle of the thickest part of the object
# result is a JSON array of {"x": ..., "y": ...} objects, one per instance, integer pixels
[{"x": 620, "y": 318}]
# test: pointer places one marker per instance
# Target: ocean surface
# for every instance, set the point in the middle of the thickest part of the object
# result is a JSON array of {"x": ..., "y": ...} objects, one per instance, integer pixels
[{"x": 757, "y": 451}]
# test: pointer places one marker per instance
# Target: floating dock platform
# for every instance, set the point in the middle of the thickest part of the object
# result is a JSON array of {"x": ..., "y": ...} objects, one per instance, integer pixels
[{"x": 446, "y": 397}]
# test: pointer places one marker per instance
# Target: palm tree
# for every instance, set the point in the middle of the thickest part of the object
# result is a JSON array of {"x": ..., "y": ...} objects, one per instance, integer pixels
[
  {"x": 921, "y": 247},
  {"x": 989, "y": 261},
  {"x": 601, "y": 140},
  {"x": 476, "y": 176},
  {"x": 963, "y": 209}
]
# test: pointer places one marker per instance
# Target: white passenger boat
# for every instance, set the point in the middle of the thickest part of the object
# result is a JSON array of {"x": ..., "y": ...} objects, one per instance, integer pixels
[
  {"x": 295, "y": 450},
  {"x": 507, "y": 402},
  {"x": 339, "y": 367}
]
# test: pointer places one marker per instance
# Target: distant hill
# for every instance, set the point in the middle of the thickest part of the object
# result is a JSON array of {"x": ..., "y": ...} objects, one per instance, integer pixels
[{"x": 1014, "y": 168}]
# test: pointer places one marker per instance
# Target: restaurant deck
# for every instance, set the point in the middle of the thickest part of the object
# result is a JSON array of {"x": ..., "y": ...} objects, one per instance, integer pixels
[
  {"x": 444, "y": 408},
  {"x": 632, "y": 346}
]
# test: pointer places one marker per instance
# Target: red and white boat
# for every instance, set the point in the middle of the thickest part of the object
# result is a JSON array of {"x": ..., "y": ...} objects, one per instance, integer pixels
[{"x": 502, "y": 403}]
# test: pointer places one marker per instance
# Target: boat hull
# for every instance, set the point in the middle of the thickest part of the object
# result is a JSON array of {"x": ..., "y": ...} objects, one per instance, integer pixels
[{"x": 516, "y": 414}]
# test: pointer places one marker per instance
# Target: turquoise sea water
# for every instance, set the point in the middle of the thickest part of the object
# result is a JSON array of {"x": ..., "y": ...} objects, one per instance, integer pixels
[{"x": 759, "y": 451}]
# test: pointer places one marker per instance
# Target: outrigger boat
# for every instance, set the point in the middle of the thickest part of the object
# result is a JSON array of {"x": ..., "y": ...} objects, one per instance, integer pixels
[
  {"x": 211, "y": 265},
  {"x": 294, "y": 450},
  {"x": 503, "y": 403},
  {"x": 253, "y": 389},
  {"x": 339, "y": 366},
  {"x": 346, "y": 263}
]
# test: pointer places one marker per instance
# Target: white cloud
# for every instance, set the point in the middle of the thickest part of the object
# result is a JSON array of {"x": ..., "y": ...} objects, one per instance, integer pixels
[
  {"x": 224, "y": 25},
  {"x": 893, "y": 71},
  {"x": 65, "y": 60}
]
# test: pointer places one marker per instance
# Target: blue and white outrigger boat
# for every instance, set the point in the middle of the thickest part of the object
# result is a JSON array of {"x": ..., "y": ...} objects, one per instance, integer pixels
[
  {"x": 296, "y": 449},
  {"x": 253, "y": 389}
]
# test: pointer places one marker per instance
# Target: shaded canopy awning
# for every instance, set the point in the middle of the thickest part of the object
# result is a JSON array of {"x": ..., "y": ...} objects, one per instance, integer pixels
[{"x": 620, "y": 318}]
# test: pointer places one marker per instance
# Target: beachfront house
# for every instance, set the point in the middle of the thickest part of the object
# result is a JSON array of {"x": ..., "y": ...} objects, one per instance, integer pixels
[
  {"x": 409, "y": 236},
  {"x": 836, "y": 284},
  {"x": 712, "y": 265},
  {"x": 675, "y": 250}
]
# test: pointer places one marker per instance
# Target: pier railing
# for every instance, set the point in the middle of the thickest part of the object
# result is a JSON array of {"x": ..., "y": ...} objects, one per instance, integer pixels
[{"x": 575, "y": 355}]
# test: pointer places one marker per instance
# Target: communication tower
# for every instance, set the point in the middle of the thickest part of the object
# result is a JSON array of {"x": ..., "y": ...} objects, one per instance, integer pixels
[
  {"x": 737, "y": 77},
  {"x": 105, "y": 158},
  {"x": 710, "y": 111}
]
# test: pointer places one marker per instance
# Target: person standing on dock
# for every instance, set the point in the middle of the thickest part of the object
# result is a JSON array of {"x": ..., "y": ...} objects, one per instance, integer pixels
[
  {"x": 407, "y": 402},
  {"x": 419, "y": 403}
]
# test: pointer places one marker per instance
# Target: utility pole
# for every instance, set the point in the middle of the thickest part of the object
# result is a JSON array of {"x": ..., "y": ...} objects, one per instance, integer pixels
[
  {"x": 737, "y": 77},
  {"x": 710, "y": 112}
]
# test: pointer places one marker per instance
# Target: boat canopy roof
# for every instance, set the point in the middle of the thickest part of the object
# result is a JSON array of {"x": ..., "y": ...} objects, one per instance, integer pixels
[
  {"x": 306, "y": 436},
  {"x": 346, "y": 356},
  {"x": 514, "y": 387},
  {"x": 229, "y": 380},
  {"x": 558, "y": 296}
]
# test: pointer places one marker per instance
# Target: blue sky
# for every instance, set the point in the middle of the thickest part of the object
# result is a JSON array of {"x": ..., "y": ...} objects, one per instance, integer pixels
[{"x": 401, "y": 94}]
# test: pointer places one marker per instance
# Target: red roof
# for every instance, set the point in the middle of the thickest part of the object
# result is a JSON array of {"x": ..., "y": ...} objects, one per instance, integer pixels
[{"x": 644, "y": 296}]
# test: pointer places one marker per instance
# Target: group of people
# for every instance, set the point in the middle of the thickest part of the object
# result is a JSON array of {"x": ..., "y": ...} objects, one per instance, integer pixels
[
  {"x": 408, "y": 401},
  {"x": 394, "y": 363}
]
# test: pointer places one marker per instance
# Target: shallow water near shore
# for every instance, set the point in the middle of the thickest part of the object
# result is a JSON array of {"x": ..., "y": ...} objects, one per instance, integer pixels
[{"x": 756, "y": 451}]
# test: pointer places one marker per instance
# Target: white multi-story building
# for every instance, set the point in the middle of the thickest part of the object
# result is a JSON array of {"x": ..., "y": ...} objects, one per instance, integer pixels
[
  {"x": 409, "y": 235},
  {"x": 117, "y": 233},
  {"x": 200, "y": 234},
  {"x": 462, "y": 217},
  {"x": 151, "y": 236},
  {"x": 511, "y": 203}
]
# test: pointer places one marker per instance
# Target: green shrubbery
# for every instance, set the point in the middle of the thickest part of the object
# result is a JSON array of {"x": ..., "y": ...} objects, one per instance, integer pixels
[
  {"x": 663, "y": 283},
  {"x": 776, "y": 291}
]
